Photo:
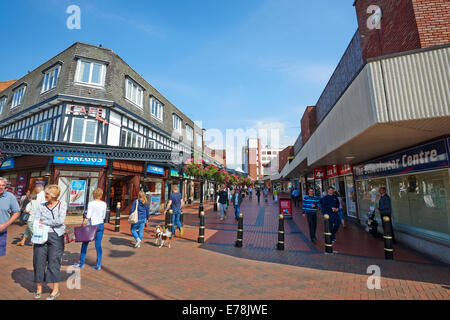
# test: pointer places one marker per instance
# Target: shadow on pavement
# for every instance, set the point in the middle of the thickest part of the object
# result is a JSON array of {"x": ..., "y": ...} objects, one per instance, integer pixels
[
  {"x": 120, "y": 254},
  {"x": 121, "y": 242},
  {"x": 24, "y": 277}
]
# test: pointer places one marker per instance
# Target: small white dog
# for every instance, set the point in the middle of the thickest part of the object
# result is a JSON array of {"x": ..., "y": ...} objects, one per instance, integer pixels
[{"x": 162, "y": 236}]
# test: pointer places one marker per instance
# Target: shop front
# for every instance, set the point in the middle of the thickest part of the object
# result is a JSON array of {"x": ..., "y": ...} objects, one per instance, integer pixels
[
  {"x": 340, "y": 177},
  {"x": 154, "y": 185},
  {"x": 417, "y": 180}
]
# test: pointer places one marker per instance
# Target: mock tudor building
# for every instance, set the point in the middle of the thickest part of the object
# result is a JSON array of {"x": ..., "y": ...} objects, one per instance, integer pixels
[{"x": 86, "y": 119}]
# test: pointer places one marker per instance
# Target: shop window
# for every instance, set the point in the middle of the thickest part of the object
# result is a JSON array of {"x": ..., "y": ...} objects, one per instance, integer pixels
[
  {"x": 84, "y": 131},
  {"x": 350, "y": 196},
  {"x": 77, "y": 192},
  {"x": 422, "y": 201},
  {"x": 368, "y": 195}
]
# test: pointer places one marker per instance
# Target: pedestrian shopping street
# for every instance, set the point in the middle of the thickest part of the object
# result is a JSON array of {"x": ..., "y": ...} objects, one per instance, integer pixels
[{"x": 218, "y": 270}]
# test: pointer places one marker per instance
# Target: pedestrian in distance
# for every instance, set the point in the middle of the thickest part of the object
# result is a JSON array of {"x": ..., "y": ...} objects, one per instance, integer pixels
[
  {"x": 330, "y": 206},
  {"x": 266, "y": 194},
  {"x": 40, "y": 193},
  {"x": 311, "y": 205},
  {"x": 250, "y": 192},
  {"x": 236, "y": 200},
  {"x": 96, "y": 213},
  {"x": 222, "y": 202},
  {"x": 143, "y": 209},
  {"x": 47, "y": 256},
  {"x": 30, "y": 209},
  {"x": 296, "y": 197},
  {"x": 176, "y": 205},
  {"x": 275, "y": 195},
  {"x": 341, "y": 209},
  {"x": 385, "y": 208},
  {"x": 258, "y": 194},
  {"x": 24, "y": 201},
  {"x": 9, "y": 212}
]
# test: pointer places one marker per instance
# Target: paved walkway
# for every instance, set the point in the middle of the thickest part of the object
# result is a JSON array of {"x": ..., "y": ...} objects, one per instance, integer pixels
[{"x": 218, "y": 270}]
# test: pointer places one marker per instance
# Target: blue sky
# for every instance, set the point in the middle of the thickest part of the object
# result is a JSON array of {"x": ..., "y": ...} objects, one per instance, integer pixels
[{"x": 232, "y": 64}]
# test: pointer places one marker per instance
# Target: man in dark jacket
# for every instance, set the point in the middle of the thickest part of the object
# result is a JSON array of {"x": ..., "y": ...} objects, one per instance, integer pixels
[
  {"x": 236, "y": 200},
  {"x": 330, "y": 206},
  {"x": 385, "y": 208}
]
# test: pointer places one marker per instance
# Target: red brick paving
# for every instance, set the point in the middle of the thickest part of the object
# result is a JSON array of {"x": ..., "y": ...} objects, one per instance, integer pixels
[{"x": 218, "y": 270}]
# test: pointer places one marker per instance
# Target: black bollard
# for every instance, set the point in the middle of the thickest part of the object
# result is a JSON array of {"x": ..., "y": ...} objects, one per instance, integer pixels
[
  {"x": 388, "y": 251},
  {"x": 280, "y": 245},
  {"x": 117, "y": 222},
  {"x": 201, "y": 230},
  {"x": 240, "y": 231},
  {"x": 328, "y": 243},
  {"x": 169, "y": 220}
]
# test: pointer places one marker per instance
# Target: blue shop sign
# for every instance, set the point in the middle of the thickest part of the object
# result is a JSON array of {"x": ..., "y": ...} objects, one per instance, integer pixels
[
  {"x": 8, "y": 164},
  {"x": 73, "y": 158},
  {"x": 432, "y": 155},
  {"x": 174, "y": 173},
  {"x": 155, "y": 169}
]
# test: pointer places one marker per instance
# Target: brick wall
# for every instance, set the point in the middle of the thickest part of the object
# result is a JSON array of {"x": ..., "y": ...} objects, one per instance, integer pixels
[
  {"x": 283, "y": 157},
  {"x": 398, "y": 31},
  {"x": 308, "y": 123},
  {"x": 433, "y": 21}
]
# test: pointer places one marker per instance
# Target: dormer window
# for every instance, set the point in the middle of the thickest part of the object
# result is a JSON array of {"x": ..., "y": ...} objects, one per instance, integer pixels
[
  {"x": 92, "y": 73},
  {"x": 18, "y": 96},
  {"x": 134, "y": 92},
  {"x": 50, "y": 79}
]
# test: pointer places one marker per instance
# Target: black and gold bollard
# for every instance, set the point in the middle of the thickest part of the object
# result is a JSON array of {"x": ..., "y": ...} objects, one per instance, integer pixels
[
  {"x": 240, "y": 231},
  {"x": 117, "y": 222},
  {"x": 328, "y": 243},
  {"x": 201, "y": 230},
  {"x": 169, "y": 220},
  {"x": 388, "y": 251},
  {"x": 280, "y": 245}
]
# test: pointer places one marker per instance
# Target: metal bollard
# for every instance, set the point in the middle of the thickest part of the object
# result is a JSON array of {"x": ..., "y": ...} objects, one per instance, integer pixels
[
  {"x": 280, "y": 245},
  {"x": 328, "y": 243},
  {"x": 215, "y": 205},
  {"x": 240, "y": 231},
  {"x": 169, "y": 220},
  {"x": 117, "y": 222},
  {"x": 201, "y": 230},
  {"x": 388, "y": 251}
]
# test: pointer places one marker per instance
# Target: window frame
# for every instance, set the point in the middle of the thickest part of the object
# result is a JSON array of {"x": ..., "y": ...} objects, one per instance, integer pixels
[
  {"x": 158, "y": 104},
  {"x": 58, "y": 69},
  {"x": 83, "y": 135},
  {"x": 2, "y": 103},
  {"x": 78, "y": 74},
  {"x": 18, "y": 89},
  {"x": 180, "y": 121},
  {"x": 138, "y": 87}
]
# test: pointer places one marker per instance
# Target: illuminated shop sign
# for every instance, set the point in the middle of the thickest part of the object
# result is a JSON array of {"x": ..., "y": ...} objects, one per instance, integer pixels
[
  {"x": 155, "y": 169},
  {"x": 66, "y": 158}
]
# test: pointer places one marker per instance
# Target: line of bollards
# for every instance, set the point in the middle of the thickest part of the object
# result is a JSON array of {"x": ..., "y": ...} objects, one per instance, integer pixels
[
  {"x": 280, "y": 244},
  {"x": 117, "y": 222},
  {"x": 388, "y": 250},
  {"x": 169, "y": 220},
  {"x": 201, "y": 230},
  {"x": 240, "y": 231},
  {"x": 327, "y": 233}
]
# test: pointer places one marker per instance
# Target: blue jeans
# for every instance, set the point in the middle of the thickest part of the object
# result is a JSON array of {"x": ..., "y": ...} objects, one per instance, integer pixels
[
  {"x": 3, "y": 241},
  {"x": 139, "y": 234},
  {"x": 98, "y": 246},
  {"x": 176, "y": 220},
  {"x": 223, "y": 208},
  {"x": 236, "y": 211}
]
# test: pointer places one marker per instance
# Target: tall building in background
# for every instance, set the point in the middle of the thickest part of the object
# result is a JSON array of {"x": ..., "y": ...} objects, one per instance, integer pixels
[{"x": 251, "y": 162}]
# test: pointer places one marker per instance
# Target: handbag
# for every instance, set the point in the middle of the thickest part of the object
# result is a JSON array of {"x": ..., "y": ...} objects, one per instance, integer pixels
[
  {"x": 134, "y": 218},
  {"x": 85, "y": 234},
  {"x": 40, "y": 233}
]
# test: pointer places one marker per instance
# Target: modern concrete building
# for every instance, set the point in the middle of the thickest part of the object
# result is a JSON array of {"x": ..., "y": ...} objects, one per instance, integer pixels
[{"x": 383, "y": 119}]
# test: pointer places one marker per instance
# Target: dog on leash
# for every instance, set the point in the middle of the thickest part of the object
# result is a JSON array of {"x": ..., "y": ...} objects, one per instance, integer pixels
[{"x": 162, "y": 236}]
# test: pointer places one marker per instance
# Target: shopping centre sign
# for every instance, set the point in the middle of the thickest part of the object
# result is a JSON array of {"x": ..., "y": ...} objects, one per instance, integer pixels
[{"x": 428, "y": 156}]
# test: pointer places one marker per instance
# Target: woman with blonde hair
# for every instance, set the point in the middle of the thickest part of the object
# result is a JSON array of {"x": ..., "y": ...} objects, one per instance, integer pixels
[
  {"x": 47, "y": 256},
  {"x": 96, "y": 213},
  {"x": 143, "y": 208}
]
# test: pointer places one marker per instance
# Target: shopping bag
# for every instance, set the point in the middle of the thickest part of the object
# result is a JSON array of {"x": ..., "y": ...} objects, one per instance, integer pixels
[
  {"x": 134, "y": 218},
  {"x": 85, "y": 234},
  {"x": 40, "y": 233},
  {"x": 69, "y": 235}
]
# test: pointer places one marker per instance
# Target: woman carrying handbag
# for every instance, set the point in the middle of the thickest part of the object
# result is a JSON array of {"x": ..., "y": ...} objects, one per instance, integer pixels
[
  {"x": 141, "y": 208},
  {"x": 96, "y": 213}
]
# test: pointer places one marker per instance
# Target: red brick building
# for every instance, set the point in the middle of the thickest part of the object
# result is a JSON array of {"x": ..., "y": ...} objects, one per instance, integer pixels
[
  {"x": 308, "y": 123},
  {"x": 284, "y": 156},
  {"x": 405, "y": 25}
]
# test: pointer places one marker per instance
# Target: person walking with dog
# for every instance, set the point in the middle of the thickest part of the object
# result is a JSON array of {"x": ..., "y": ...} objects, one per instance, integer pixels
[
  {"x": 47, "y": 256},
  {"x": 143, "y": 210},
  {"x": 175, "y": 204},
  {"x": 311, "y": 205},
  {"x": 96, "y": 213}
]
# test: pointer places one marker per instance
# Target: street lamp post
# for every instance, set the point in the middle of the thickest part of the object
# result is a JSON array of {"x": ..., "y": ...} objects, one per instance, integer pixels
[
  {"x": 200, "y": 208},
  {"x": 180, "y": 173}
]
